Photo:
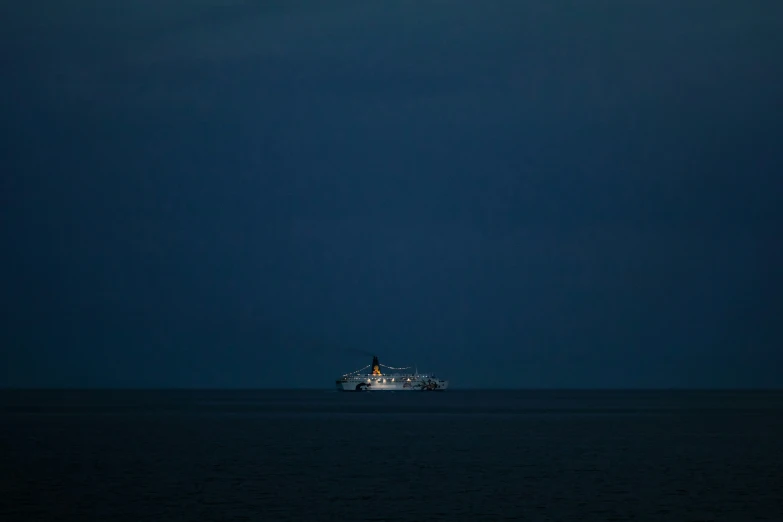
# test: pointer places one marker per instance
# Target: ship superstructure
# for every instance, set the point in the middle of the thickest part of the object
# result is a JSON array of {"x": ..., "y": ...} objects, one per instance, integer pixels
[{"x": 376, "y": 379}]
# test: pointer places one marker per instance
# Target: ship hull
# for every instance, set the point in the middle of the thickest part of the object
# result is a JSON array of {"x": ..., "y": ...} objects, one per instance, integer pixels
[{"x": 355, "y": 385}]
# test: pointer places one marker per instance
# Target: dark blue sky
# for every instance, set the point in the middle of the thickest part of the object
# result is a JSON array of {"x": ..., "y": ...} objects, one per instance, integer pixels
[{"x": 509, "y": 193}]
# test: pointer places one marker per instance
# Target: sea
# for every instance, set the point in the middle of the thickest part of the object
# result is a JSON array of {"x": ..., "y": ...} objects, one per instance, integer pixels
[{"x": 322, "y": 455}]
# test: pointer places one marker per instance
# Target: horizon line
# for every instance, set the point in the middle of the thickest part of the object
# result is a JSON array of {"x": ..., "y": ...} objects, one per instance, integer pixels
[{"x": 225, "y": 388}]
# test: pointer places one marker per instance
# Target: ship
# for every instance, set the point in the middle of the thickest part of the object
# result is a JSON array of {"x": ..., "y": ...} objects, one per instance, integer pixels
[{"x": 378, "y": 380}]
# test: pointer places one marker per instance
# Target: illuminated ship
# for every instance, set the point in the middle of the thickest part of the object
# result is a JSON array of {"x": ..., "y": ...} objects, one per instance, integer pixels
[{"x": 376, "y": 380}]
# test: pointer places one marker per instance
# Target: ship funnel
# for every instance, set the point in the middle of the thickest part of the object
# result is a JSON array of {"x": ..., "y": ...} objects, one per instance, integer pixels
[{"x": 376, "y": 366}]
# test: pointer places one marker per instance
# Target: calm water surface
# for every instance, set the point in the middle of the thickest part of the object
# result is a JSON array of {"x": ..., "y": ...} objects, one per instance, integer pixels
[{"x": 456, "y": 455}]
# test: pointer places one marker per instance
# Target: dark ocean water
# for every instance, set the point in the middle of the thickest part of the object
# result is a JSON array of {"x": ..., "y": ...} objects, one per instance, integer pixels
[{"x": 457, "y": 455}]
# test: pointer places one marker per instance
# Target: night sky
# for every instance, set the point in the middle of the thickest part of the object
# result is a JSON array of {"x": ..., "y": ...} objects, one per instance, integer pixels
[{"x": 507, "y": 193}]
